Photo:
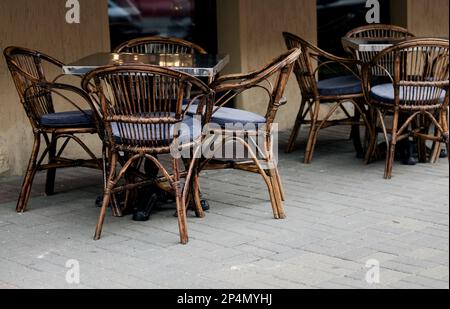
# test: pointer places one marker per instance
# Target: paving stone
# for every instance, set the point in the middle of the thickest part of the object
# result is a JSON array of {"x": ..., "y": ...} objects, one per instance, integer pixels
[{"x": 340, "y": 214}]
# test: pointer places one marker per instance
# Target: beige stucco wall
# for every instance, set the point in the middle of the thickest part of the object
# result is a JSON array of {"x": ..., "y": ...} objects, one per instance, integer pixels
[
  {"x": 41, "y": 25},
  {"x": 428, "y": 17},
  {"x": 422, "y": 17},
  {"x": 250, "y": 31}
]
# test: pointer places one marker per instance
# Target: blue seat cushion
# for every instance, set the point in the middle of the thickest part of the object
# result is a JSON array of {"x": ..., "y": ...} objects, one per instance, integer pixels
[
  {"x": 68, "y": 119},
  {"x": 385, "y": 93},
  {"x": 341, "y": 85},
  {"x": 232, "y": 116},
  {"x": 190, "y": 130}
]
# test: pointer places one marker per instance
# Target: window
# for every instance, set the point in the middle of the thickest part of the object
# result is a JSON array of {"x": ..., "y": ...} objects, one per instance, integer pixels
[
  {"x": 336, "y": 17},
  {"x": 193, "y": 20}
]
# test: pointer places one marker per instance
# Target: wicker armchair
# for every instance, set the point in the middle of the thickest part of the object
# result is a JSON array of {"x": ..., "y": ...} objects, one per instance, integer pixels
[
  {"x": 418, "y": 92},
  {"x": 144, "y": 116},
  {"x": 37, "y": 94},
  {"x": 235, "y": 129},
  {"x": 157, "y": 44},
  {"x": 377, "y": 31},
  {"x": 335, "y": 90}
]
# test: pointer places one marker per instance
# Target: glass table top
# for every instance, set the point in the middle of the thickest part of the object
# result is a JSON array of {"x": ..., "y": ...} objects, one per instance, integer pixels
[
  {"x": 198, "y": 65},
  {"x": 371, "y": 44},
  {"x": 374, "y": 44}
]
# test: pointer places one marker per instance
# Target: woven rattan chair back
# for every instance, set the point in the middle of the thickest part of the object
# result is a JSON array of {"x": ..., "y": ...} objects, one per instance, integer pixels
[
  {"x": 142, "y": 103},
  {"x": 159, "y": 45},
  {"x": 305, "y": 66},
  {"x": 420, "y": 72},
  {"x": 272, "y": 78},
  {"x": 379, "y": 31},
  {"x": 27, "y": 67}
]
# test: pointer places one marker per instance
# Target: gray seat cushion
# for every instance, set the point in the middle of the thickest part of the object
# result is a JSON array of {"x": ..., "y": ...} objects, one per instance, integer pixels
[
  {"x": 341, "y": 85},
  {"x": 232, "y": 116},
  {"x": 190, "y": 130},
  {"x": 68, "y": 119},
  {"x": 385, "y": 93}
]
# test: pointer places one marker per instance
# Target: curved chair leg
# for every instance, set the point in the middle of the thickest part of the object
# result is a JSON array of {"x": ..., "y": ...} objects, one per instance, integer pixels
[
  {"x": 280, "y": 185},
  {"x": 312, "y": 137},
  {"x": 273, "y": 198},
  {"x": 193, "y": 180},
  {"x": 106, "y": 195},
  {"x": 296, "y": 130},
  {"x": 51, "y": 173},
  {"x": 104, "y": 165},
  {"x": 181, "y": 207},
  {"x": 277, "y": 194},
  {"x": 391, "y": 151},
  {"x": 436, "y": 149},
  {"x": 196, "y": 194},
  {"x": 193, "y": 196},
  {"x": 29, "y": 176}
]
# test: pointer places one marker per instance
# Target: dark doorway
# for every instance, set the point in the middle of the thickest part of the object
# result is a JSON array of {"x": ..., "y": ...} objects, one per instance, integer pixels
[
  {"x": 336, "y": 17},
  {"x": 192, "y": 20}
]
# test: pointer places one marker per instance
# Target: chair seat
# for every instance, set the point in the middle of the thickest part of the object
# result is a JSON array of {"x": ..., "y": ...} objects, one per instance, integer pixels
[
  {"x": 190, "y": 130},
  {"x": 232, "y": 116},
  {"x": 385, "y": 93},
  {"x": 342, "y": 85},
  {"x": 70, "y": 119}
]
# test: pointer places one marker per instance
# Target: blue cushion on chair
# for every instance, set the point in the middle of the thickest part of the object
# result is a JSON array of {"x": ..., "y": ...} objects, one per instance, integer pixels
[
  {"x": 190, "y": 130},
  {"x": 68, "y": 119},
  {"x": 232, "y": 116},
  {"x": 341, "y": 85},
  {"x": 385, "y": 93}
]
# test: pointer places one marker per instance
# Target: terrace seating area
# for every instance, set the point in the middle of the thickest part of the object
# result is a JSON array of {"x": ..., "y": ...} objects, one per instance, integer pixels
[{"x": 160, "y": 164}]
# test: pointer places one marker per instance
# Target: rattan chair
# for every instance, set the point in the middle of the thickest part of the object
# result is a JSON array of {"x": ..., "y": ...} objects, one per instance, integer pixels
[
  {"x": 233, "y": 129},
  {"x": 377, "y": 31},
  {"x": 418, "y": 92},
  {"x": 143, "y": 115},
  {"x": 157, "y": 45},
  {"x": 335, "y": 90},
  {"x": 37, "y": 93}
]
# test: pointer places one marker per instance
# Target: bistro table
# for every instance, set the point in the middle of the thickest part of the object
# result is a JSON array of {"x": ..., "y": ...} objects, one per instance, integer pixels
[
  {"x": 205, "y": 66},
  {"x": 199, "y": 65},
  {"x": 374, "y": 45}
]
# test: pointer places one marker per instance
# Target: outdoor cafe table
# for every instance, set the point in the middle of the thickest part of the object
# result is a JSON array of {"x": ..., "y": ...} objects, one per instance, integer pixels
[
  {"x": 373, "y": 45},
  {"x": 199, "y": 65}
]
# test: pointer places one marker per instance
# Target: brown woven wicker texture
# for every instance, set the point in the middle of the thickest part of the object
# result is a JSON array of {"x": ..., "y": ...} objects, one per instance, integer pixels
[
  {"x": 38, "y": 93},
  {"x": 159, "y": 45},
  {"x": 420, "y": 81},
  {"x": 306, "y": 69},
  {"x": 142, "y": 111},
  {"x": 379, "y": 31}
]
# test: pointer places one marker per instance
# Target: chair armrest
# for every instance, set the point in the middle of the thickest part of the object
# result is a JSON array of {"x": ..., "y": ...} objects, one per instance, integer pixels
[{"x": 43, "y": 89}]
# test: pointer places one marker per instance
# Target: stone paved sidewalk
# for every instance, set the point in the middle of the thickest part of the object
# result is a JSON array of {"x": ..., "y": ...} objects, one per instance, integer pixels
[{"x": 341, "y": 214}]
